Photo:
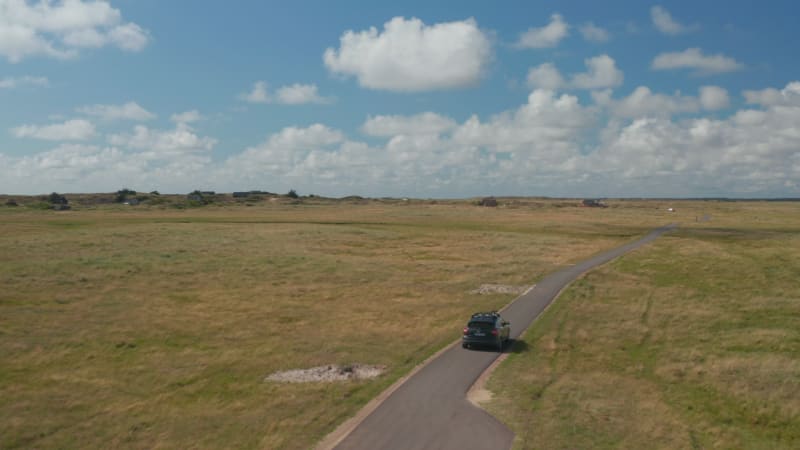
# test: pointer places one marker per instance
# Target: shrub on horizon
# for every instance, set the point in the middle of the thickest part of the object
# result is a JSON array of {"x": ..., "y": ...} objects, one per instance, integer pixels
[{"x": 122, "y": 195}]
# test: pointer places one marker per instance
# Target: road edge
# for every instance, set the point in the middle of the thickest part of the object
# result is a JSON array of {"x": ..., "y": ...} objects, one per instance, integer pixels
[
  {"x": 332, "y": 439},
  {"x": 477, "y": 394}
]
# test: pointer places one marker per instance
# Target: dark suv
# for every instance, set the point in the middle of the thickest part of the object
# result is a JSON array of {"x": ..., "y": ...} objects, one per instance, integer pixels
[{"x": 488, "y": 329}]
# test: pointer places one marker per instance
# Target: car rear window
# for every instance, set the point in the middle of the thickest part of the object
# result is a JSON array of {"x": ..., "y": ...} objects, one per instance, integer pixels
[{"x": 481, "y": 325}]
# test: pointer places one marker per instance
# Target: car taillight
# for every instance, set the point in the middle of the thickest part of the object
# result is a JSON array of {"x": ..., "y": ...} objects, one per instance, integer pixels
[
  {"x": 494, "y": 332},
  {"x": 466, "y": 330}
]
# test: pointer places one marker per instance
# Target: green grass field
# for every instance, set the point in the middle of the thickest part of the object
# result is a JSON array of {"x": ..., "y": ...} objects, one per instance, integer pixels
[
  {"x": 149, "y": 327},
  {"x": 154, "y": 327},
  {"x": 692, "y": 342}
]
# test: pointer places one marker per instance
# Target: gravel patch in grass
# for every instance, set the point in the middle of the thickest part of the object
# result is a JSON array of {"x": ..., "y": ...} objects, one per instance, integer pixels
[
  {"x": 328, "y": 374},
  {"x": 485, "y": 289}
]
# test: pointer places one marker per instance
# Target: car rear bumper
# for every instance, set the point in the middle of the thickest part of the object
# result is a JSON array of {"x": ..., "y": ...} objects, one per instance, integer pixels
[{"x": 473, "y": 340}]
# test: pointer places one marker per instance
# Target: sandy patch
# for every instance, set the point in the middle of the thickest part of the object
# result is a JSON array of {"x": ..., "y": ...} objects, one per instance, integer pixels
[
  {"x": 329, "y": 373},
  {"x": 477, "y": 393},
  {"x": 500, "y": 289}
]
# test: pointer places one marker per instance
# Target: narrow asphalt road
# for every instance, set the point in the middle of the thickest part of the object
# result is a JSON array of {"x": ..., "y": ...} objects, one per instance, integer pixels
[{"x": 430, "y": 410}]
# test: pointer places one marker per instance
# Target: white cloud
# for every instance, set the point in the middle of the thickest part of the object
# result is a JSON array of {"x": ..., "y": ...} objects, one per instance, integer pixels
[
  {"x": 296, "y": 138},
  {"x": 602, "y": 72},
  {"x": 60, "y": 30},
  {"x": 16, "y": 42},
  {"x": 127, "y": 111},
  {"x": 602, "y": 97},
  {"x": 160, "y": 144},
  {"x": 13, "y": 83},
  {"x": 71, "y": 130},
  {"x": 788, "y": 96},
  {"x": 664, "y": 22},
  {"x": 130, "y": 37},
  {"x": 714, "y": 98},
  {"x": 545, "y": 76},
  {"x": 88, "y": 37},
  {"x": 751, "y": 153},
  {"x": 423, "y": 123},
  {"x": 187, "y": 117},
  {"x": 593, "y": 33},
  {"x": 693, "y": 58},
  {"x": 547, "y": 123},
  {"x": 67, "y": 168},
  {"x": 294, "y": 94},
  {"x": 298, "y": 94},
  {"x": 547, "y": 36},
  {"x": 258, "y": 94},
  {"x": 424, "y": 153},
  {"x": 91, "y": 168},
  {"x": 550, "y": 145},
  {"x": 409, "y": 56},
  {"x": 642, "y": 102},
  {"x": 294, "y": 153}
]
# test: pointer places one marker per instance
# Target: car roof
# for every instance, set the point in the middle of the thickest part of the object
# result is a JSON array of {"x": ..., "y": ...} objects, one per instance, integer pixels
[{"x": 485, "y": 316}]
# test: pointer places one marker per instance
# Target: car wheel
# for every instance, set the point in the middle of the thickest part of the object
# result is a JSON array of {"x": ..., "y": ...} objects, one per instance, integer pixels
[{"x": 464, "y": 345}]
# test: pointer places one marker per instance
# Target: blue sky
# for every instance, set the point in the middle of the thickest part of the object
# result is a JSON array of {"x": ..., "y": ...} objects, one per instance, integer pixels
[{"x": 422, "y": 99}]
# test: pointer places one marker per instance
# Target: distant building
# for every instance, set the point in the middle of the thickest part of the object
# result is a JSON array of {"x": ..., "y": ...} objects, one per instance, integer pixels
[
  {"x": 488, "y": 201},
  {"x": 57, "y": 199},
  {"x": 593, "y": 203}
]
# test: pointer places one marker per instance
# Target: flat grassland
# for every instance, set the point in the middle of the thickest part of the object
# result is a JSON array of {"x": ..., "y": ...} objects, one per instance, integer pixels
[
  {"x": 145, "y": 327},
  {"x": 691, "y": 342}
]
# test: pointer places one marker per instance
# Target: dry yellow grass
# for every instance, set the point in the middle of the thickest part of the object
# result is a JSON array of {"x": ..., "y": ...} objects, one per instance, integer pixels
[
  {"x": 154, "y": 328},
  {"x": 692, "y": 342}
]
